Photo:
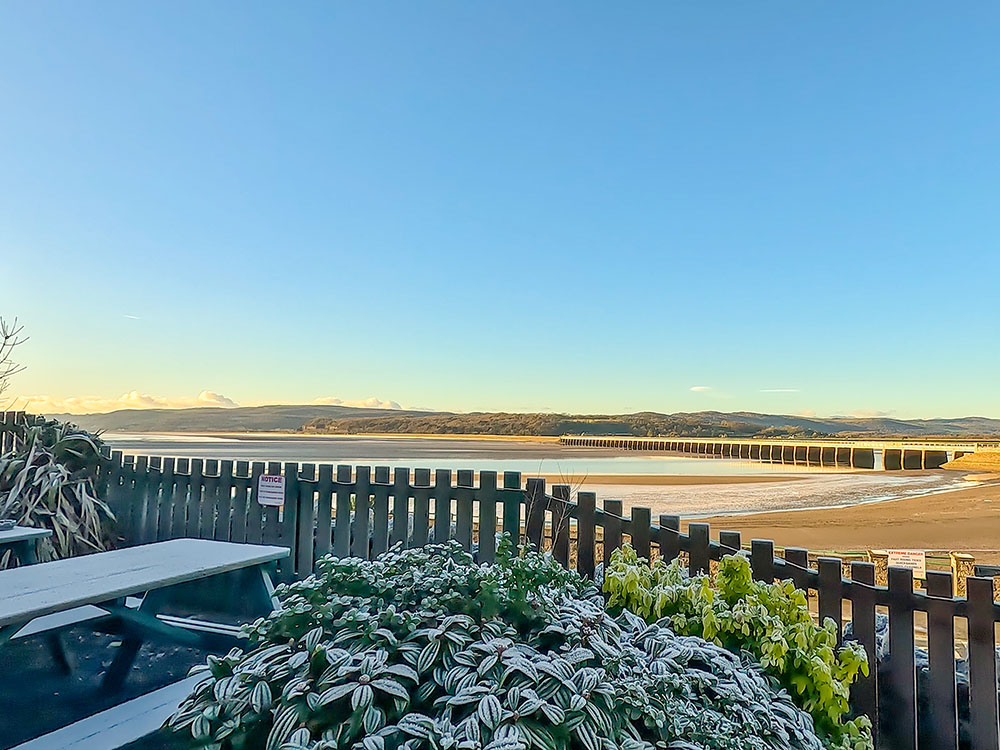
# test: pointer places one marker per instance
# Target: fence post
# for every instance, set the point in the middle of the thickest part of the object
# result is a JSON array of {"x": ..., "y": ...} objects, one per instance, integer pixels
[
  {"x": 982, "y": 665},
  {"x": 362, "y": 504},
  {"x": 865, "y": 691},
  {"x": 831, "y": 596},
  {"x": 762, "y": 560},
  {"x": 512, "y": 506},
  {"x": 560, "y": 524},
  {"x": 240, "y": 505},
  {"x": 942, "y": 695},
  {"x": 206, "y": 509},
  {"x": 305, "y": 521},
  {"x": 271, "y": 531},
  {"x": 192, "y": 525},
  {"x": 699, "y": 551},
  {"x": 342, "y": 529},
  {"x": 730, "y": 543},
  {"x": 324, "y": 511},
  {"x": 640, "y": 525},
  {"x": 487, "y": 516},
  {"x": 287, "y": 531},
  {"x": 902, "y": 671},
  {"x": 421, "y": 507},
  {"x": 612, "y": 529},
  {"x": 400, "y": 506},
  {"x": 442, "y": 505},
  {"x": 163, "y": 518},
  {"x": 537, "y": 502},
  {"x": 670, "y": 537},
  {"x": 224, "y": 504},
  {"x": 380, "y": 511},
  {"x": 464, "y": 494},
  {"x": 586, "y": 507}
]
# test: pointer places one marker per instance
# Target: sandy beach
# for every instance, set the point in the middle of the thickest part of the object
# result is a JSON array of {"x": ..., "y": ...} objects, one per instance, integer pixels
[
  {"x": 965, "y": 520},
  {"x": 665, "y": 480}
]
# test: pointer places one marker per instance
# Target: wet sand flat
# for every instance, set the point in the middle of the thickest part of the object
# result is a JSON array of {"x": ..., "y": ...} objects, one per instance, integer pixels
[
  {"x": 965, "y": 520},
  {"x": 666, "y": 480}
]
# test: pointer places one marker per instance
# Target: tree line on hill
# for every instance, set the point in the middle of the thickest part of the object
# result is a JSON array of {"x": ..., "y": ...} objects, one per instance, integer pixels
[{"x": 646, "y": 424}]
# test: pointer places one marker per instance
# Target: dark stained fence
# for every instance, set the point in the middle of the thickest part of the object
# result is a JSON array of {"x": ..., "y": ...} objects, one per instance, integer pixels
[
  {"x": 12, "y": 425},
  {"x": 359, "y": 511}
]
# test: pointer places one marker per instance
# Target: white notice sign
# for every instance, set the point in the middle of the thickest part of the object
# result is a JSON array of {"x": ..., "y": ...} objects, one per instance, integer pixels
[
  {"x": 271, "y": 490},
  {"x": 914, "y": 559}
]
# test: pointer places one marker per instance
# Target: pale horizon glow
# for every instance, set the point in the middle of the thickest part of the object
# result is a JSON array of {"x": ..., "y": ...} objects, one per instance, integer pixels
[{"x": 135, "y": 400}]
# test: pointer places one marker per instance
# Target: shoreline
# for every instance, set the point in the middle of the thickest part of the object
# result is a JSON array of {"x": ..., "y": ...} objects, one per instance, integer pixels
[{"x": 278, "y": 434}]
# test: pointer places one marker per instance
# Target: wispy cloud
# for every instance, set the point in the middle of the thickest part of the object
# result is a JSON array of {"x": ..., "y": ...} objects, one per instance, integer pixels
[
  {"x": 780, "y": 390},
  {"x": 869, "y": 413},
  {"x": 132, "y": 317},
  {"x": 374, "y": 403},
  {"x": 43, "y": 404},
  {"x": 700, "y": 388}
]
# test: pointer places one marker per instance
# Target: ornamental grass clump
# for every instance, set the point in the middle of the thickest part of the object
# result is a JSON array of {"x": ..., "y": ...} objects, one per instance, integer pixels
[
  {"x": 49, "y": 481},
  {"x": 769, "y": 621},
  {"x": 426, "y": 650}
]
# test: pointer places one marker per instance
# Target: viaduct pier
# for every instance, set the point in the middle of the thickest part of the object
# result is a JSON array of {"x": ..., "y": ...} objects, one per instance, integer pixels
[{"x": 888, "y": 455}]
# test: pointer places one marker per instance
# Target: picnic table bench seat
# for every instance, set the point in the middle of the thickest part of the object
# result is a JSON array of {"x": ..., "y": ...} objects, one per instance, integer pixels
[{"x": 118, "y": 725}]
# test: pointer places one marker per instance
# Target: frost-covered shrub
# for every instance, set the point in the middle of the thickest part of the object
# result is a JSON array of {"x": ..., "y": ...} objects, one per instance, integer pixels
[
  {"x": 425, "y": 650},
  {"x": 770, "y": 621}
]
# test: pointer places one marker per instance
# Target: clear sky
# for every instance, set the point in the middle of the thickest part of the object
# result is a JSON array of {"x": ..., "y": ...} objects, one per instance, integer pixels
[{"x": 582, "y": 206}]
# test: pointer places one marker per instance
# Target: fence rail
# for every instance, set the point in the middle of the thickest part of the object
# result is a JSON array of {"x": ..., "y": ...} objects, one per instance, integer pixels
[{"x": 354, "y": 510}]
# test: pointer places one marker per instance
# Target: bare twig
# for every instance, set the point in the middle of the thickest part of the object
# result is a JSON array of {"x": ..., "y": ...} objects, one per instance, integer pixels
[{"x": 11, "y": 336}]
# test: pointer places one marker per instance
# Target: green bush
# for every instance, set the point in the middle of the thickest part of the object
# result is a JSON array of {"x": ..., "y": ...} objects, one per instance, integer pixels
[
  {"x": 426, "y": 650},
  {"x": 770, "y": 621},
  {"x": 49, "y": 482}
]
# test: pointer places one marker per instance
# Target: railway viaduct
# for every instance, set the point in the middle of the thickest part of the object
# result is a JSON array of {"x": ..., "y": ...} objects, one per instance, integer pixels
[{"x": 889, "y": 455}]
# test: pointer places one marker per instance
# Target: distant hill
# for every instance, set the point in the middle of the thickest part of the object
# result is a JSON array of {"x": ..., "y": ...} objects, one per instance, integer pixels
[
  {"x": 348, "y": 420},
  {"x": 650, "y": 424},
  {"x": 215, "y": 419}
]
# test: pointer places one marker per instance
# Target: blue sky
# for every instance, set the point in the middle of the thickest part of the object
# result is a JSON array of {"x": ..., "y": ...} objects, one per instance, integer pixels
[{"x": 581, "y": 206}]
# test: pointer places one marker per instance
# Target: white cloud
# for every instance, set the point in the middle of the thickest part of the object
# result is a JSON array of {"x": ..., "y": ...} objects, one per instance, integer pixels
[
  {"x": 700, "y": 388},
  {"x": 780, "y": 390},
  {"x": 42, "y": 404},
  {"x": 372, "y": 402},
  {"x": 869, "y": 413}
]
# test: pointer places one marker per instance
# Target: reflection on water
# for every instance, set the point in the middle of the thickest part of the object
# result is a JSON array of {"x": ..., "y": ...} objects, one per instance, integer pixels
[{"x": 815, "y": 486}]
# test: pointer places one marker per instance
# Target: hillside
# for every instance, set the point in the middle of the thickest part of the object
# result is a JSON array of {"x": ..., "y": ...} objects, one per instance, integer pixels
[
  {"x": 347, "y": 420},
  {"x": 213, "y": 419},
  {"x": 698, "y": 424}
]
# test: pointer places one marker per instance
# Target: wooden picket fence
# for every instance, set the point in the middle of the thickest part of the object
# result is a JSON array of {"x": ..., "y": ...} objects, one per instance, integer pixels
[
  {"x": 11, "y": 425},
  {"x": 357, "y": 511}
]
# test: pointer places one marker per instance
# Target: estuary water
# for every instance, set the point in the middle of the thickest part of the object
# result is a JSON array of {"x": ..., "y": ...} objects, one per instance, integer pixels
[{"x": 666, "y": 482}]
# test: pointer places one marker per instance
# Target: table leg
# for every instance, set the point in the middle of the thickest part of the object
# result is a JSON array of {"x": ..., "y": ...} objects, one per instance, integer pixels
[
  {"x": 26, "y": 552},
  {"x": 122, "y": 663},
  {"x": 132, "y": 639},
  {"x": 59, "y": 654},
  {"x": 261, "y": 592}
]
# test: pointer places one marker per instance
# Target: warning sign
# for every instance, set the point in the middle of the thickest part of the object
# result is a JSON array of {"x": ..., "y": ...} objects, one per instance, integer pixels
[
  {"x": 914, "y": 559},
  {"x": 271, "y": 490}
]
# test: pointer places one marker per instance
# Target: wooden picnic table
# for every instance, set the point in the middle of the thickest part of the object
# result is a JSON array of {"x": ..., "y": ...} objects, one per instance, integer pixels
[
  {"x": 96, "y": 588},
  {"x": 23, "y": 541}
]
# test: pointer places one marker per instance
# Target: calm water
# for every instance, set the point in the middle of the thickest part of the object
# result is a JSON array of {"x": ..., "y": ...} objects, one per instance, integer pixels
[{"x": 814, "y": 486}]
